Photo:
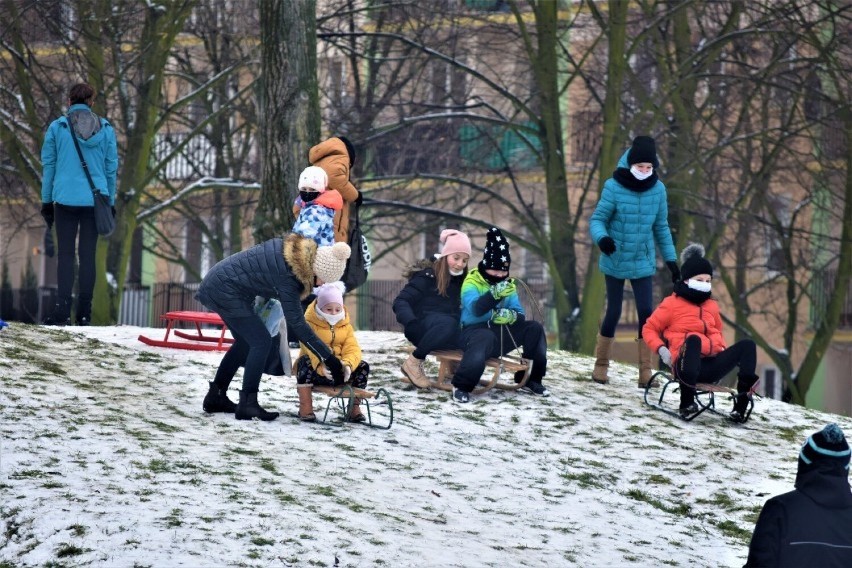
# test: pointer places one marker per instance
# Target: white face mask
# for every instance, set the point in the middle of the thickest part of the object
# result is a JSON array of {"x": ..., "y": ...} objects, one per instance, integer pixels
[
  {"x": 456, "y": 272},
  {"x": 639, "y": 175},
  {"x": 698, "y": 285},
  {"x": 331, "y": 319}
]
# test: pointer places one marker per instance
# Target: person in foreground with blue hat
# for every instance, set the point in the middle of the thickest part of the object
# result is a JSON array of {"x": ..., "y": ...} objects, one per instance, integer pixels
[{"x": 811, "y": 525}]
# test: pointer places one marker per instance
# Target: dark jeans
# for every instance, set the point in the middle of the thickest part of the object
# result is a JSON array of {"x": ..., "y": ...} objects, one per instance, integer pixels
[
  {"x": 250, "y": 349},
  {"x": 692, "y": 367},
  {"x": 643, "y": 292},
  {"x": 481, "y": 342},
  {"x": 433, "y": 332},
  {"x": 307, "y": 375},
  {"x": 69, "y": 222}
]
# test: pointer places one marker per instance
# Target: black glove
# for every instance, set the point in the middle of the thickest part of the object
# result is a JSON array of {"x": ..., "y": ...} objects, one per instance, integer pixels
[
  {"x": 360, "y": 199},
  {"x": 335, "y": 367},
  {"x": 607, "y": 245},
  {"x": 113, "y": 211},
  {"x": 672, "y": 266},
  {"x": 47, "y": 213}
]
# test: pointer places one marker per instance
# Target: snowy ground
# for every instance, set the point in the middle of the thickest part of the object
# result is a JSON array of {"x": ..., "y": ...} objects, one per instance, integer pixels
[{"x": 106, "y": 459}]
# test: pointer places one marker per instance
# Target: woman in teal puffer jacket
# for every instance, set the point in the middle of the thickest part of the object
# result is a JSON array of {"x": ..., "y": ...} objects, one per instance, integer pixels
[
  {"x": 629, "y": 219},
  {"x": 67, "y": 197}
]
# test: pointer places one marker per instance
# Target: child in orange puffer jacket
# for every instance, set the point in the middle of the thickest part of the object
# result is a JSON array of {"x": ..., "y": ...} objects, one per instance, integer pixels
[{"x": 686, "y": 331}]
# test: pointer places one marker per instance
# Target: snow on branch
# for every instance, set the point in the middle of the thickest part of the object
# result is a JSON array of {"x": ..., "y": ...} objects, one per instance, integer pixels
[{"x": 206, "y": 182}]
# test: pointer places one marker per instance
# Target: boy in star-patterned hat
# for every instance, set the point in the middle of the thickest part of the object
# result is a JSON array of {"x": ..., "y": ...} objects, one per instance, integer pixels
[{"x": 491, "y": 310}]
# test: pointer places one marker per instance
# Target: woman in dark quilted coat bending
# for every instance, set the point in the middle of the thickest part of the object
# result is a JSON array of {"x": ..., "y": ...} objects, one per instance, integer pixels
[{"x": 286, "y": 269}]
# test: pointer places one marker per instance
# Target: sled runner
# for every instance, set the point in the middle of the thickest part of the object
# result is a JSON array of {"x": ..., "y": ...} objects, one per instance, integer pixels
[
  {"x": 344, "y": 397},
  {"x": 449, "y": 360},
  {"x": 222, "y": 343},
  {"x": 705, "y": 397}
]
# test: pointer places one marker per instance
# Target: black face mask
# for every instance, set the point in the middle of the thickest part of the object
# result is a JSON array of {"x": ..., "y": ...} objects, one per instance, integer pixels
[
  {"x": 489, "y": 278},
  {"x": 308, "y": 196},
  {"x": 690, "y": 295}
]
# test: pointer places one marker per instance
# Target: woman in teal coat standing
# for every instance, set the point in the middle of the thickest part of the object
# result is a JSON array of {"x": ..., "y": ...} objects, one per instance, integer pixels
[{"x": 629, "y": 219}]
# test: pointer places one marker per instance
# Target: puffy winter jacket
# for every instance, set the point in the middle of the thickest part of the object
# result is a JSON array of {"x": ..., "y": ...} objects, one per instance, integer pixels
[
  {"x": 473, "y": 289},
  {"x": 277, "y": 268},
  {"x": 331, "y": 155},
  {"x": 420, "y": 297},
  {"x": 635, "y": 220},
  {"x": 340, "y": 338},
  {"x": 315, "y": 219},
  {"x": 676, "y": 318},
  {"x": 63, "y": 180},
  {"x": 811, "y": 526}
]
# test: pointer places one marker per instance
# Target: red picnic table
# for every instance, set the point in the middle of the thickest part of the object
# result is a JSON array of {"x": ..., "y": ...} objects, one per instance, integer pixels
[{"x": 222, "y": 343}]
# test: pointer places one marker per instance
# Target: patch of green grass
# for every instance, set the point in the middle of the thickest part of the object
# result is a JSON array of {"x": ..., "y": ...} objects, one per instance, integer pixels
[
  {"x": 262, "y": 541},
  {"x": 163, "y": 427},
  {"x": 284, "y": 497},
  {"x": 788, "y": 434},
  {"x": 325, "y": 490},
  {"x": 244, "y": 452},
  {"x": 657, "y": 479},
  {"x": 51, "y": 485},
  {"x": 65, "y": 549},
  {"x": 145, "y": 357},
  {"x": 268, "y": 465},
  {"x": 173, "y": 519},
  {"x": 732, "y": 529},
  {"x": 583, "y": 479},
  {"x": 77, "y": 530},
  {"x": 681, "y": 509}
]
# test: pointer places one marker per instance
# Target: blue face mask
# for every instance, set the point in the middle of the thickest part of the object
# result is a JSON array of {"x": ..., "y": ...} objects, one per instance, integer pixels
[{"x": 698, "y": 285}]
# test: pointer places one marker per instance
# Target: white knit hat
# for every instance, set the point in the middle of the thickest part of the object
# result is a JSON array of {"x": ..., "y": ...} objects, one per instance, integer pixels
[
  {"x": 330, "y": 262},
  {"x": 313, "y": 178}
]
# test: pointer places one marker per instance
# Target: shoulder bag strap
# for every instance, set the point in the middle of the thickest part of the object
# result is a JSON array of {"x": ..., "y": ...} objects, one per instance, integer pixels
[{"x": 80, "y": 154}]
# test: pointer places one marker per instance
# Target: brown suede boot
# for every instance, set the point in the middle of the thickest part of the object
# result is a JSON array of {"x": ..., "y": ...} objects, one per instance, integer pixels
[
  {"x": 603, "y": 353},
  {"x": 645, "y": 369},
  {"x": 306, "y": 404}
]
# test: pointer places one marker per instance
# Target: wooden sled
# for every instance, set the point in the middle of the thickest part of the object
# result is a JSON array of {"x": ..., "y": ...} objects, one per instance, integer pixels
[
  {"x": 344, "y": 398},
  {"x": 705, "y": 397},
  {"x": 449, "y": 360},
  {"x": 222, "y": 343}
]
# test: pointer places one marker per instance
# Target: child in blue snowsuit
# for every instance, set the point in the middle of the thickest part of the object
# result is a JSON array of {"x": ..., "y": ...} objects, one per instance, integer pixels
[
  {"x": 315, "y": 207},
  {"x": 493, "y": 322}
]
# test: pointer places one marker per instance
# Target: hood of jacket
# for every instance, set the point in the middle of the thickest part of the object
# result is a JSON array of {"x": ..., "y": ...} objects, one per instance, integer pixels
[
  {"x": 88, "y": 126},
  {"x": 331, "y": 147},
  {"x": 409, "y": 271},
  {"x": 299, "y": 253},
  {"x": 826, "y": 485}
]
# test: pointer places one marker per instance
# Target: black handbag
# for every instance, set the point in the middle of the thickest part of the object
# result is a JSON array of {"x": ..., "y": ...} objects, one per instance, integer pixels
[
  {"x": 104, "y": 218},
  {"x": 360, "y": 260}
]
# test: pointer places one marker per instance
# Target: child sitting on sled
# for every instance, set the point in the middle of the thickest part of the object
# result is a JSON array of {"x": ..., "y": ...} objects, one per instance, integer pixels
[
  {"x": 493, "y": 322},
  {"x": 329, "y": 320},
  {"x": 686, "y": 331}
]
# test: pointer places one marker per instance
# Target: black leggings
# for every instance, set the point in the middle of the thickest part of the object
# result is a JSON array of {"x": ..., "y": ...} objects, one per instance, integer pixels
[
  {"x": 69, "y": 220},
  {"x": 307, "y": 375},
  {"x": 692, "y": 367},
  {"x": 643, "y": 292},
  {"x": 251, "y": 346}
]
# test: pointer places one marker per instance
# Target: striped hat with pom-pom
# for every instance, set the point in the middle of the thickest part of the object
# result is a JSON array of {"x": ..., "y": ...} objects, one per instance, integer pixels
[{"x": 828, "y": 446}]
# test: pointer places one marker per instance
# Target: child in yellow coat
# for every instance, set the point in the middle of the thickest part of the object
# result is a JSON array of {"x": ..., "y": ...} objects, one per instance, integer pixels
[{"x": 328, "y": 318}]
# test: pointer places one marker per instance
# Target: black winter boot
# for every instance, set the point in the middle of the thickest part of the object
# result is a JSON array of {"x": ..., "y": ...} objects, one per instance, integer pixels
[
  {"x": 217, "y": 401},
  {"x": 83, "y": 314},
  {"x": 744, "y": 384},
  {"x": 248, "y": 408},
  {"x": 61, "y": 314}
]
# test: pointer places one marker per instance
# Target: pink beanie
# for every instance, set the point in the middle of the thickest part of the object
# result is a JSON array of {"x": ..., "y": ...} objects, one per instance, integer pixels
[
  {"x": 331, "y": 293},
  {"x": 454, "y": 241}
]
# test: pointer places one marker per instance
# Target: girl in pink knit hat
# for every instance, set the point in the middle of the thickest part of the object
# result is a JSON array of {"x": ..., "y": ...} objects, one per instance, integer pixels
[{"x": 428, "y": 307}]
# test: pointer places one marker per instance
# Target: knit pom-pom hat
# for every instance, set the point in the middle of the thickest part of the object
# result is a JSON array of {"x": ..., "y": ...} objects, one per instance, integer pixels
[
  {"x": 330, "y": 293},
  {"x": 693, "y": 262},
  {"x": 453, "y": 241},
  {"x": 825, "y": 449},
  {"x": 330, "y": 262},
  {"x": 313, "y": 178}
]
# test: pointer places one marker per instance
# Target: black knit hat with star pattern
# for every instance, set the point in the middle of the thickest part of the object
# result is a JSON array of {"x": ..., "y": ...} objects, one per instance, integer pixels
[{"x": 496, "y": 255}]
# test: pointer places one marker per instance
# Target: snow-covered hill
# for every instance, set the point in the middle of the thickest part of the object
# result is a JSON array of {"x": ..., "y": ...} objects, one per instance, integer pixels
[{"x": 106, "y": 459}]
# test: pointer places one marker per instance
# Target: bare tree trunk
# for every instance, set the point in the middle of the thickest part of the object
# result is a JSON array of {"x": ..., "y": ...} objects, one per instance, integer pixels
[
  {"x": 289, "y": 103},
  {"x": 594, "y": 291}
]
